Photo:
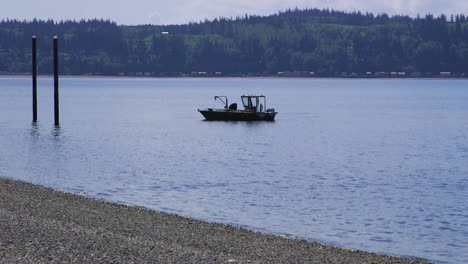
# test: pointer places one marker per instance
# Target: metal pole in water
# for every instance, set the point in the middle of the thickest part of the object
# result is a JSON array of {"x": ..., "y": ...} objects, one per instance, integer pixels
[
  {"x": 56, "y": 83},
  {"x": 34, "y": 78}
]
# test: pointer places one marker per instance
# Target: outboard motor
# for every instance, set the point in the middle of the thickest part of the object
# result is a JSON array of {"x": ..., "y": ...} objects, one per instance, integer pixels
[{"x": 233, "y": 106}]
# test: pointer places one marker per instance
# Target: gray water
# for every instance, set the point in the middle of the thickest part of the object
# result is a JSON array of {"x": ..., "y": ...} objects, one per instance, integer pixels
[{"x": 376, "y": 165}]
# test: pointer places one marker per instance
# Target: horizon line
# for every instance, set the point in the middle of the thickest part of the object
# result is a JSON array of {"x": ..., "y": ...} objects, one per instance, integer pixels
[{"x": 238, "y": 17}]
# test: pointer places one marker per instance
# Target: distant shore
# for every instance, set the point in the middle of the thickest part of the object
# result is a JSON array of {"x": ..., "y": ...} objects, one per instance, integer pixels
[
  {"x": 230, "y": 77},
  {"x": 38, "y": 225}
]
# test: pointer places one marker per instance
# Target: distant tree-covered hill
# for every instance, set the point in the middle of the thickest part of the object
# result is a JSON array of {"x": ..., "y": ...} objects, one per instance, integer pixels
[{"x": 322, "y": 41}]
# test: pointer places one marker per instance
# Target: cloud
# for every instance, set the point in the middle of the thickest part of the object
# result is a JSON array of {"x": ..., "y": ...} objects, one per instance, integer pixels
[{"x": 197, "y": 10}]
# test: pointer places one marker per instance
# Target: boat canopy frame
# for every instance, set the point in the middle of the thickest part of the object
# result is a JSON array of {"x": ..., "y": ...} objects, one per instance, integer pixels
[{"x": 249, "y": 104}]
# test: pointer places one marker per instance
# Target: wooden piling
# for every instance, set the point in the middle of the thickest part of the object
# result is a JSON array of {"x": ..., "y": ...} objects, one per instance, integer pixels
[
  {"x": 34, "y": 78},
  {"x": 56, "y": 83}
]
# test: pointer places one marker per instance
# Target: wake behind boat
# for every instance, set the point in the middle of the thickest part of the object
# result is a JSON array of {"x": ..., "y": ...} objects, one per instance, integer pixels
[{"x": 253, "y": 110}]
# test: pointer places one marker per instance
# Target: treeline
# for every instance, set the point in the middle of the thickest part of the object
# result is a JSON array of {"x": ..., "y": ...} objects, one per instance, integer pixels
[{"x": 320, "y": 41}]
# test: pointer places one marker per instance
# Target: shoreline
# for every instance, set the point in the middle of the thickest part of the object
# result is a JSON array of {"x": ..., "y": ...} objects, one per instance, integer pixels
[
  {"x": 39, "y": 224},
  {"x": 225, "y": 77}
]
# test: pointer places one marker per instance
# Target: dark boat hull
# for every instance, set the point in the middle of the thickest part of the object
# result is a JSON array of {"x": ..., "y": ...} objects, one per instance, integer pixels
[{"x": 223, "y": 115}]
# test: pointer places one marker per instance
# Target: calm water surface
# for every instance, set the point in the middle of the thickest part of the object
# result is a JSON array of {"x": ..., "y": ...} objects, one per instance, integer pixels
[{"x": 376, "y": 165}]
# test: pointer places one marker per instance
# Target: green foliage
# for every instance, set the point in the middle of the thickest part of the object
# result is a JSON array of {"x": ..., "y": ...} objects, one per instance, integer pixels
[{"x": 323, "y": 41}]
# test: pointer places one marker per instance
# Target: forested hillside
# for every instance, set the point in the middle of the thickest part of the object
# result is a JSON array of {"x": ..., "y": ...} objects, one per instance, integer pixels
[{"x": 322, "y": 41}]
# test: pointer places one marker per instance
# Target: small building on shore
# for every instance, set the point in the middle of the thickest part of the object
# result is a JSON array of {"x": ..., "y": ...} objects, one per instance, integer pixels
[{"x": 445, "y": 74}]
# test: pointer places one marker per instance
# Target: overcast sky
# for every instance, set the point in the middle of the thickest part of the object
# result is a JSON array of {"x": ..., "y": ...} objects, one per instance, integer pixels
[{"x": 133, "y": 12}]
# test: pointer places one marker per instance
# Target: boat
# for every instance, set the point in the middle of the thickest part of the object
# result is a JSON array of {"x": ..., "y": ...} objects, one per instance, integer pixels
[{"x": 254, "y": 110}]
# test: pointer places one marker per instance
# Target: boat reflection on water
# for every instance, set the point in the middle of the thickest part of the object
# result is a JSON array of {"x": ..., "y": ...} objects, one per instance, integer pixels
[{"x": 254, "y": 110}]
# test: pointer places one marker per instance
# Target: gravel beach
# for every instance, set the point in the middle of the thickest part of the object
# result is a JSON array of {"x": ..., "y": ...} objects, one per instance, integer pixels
[{"x": 39, "y": 225}]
